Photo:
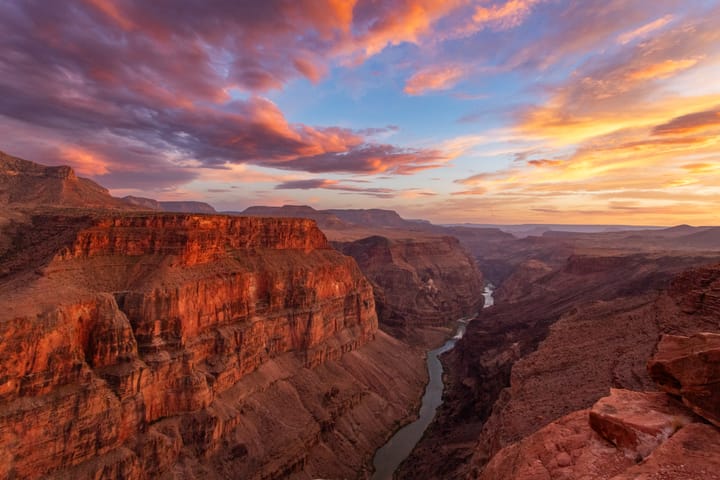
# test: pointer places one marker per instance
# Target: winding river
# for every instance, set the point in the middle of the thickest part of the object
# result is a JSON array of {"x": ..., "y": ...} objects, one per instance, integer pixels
[{"x": 389, "y": 457}]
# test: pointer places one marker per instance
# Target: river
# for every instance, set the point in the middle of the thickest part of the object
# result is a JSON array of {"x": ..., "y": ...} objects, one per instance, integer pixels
[{"x": 389, "y": 457}]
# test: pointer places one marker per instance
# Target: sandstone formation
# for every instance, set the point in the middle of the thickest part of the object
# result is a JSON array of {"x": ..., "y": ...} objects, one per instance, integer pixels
[
  {"x": 337, "y": 218},
  {"x": 418, "y": 282},
  {"x": 638, "y": 422},
  {"x": 689, "y": 367},
  {"x": 151, "y": 345},
  {"x": 675, "y": 444}
]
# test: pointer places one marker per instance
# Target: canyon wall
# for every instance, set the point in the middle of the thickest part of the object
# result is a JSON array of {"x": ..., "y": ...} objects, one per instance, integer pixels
[
  {"x": 140, "y": 346},
  {"x": 424, "y": 281}
]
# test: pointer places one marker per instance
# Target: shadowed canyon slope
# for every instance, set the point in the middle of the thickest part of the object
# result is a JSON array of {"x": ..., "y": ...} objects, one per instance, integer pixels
[
  {"x": 561, "y": 340},
  {"x": 418, "y": 282},
  {"x": 195, "y": 344}
]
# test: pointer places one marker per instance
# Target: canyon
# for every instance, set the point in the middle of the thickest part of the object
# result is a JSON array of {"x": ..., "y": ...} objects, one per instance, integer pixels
[
  {"x": 559, "y": 338},
  {"x": 177, "y": 339},
  {"x": 288, "y": 342},
  {"x": 140, "y": 344}
]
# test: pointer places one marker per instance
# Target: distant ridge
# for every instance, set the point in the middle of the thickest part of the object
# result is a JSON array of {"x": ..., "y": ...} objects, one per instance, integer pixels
[
  {"x": 336, "y": 218},
  {"x": 176, "y": 207},
  {"x": 23, "y": 182},
  {"x": 26, "y": 183}
]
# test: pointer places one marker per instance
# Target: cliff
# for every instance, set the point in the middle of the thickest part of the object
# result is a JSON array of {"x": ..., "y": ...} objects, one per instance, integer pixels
[
  {"x": 418, "y": 282},
  {"x": 148, "y": 345},
  {"x": 574, "y": 333},
  {"x": 27, "y": 183}
]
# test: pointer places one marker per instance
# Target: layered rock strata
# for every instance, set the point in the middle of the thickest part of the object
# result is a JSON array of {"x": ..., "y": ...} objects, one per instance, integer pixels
[
  {"x": 690, "y": 368},
  {"x": 426, "y": 281},
  {"x": 141, "y": 346}
]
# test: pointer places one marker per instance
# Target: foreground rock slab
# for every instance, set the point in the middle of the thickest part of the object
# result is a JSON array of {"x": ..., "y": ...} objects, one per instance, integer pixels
[
  {"x": 638, "y": 422},
  {"x": 690, "y": 367},
  {"x": 693, "y": 453}
]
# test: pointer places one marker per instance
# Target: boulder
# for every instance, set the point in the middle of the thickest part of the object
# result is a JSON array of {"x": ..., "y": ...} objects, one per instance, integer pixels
[
  {"x": 689, "y": 367},
  {"x": 637, "y": 422}
]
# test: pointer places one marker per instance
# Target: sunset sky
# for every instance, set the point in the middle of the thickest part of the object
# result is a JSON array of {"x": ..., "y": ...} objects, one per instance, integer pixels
[{"x": 495, "y": 111}]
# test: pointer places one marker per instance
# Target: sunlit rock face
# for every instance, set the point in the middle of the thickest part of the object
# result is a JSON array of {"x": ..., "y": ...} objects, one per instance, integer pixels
[
  {"x": 690, "y": 368},
  {"x": 142, "y": 345}
]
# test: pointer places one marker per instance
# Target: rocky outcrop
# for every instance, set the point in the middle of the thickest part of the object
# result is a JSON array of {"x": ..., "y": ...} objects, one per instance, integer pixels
[
  {"x": 521, "y": 282},
  {"x": 651, "y": 429},
  {"x": 629, "y": 435},
  {"x": 147, "y": 345},
  {"x": 421, "y": 281},
  {"x": 689, "y": 367},
  {"x": 339, "y": 218},
  {"x": 325, "y": 220},
  {"x": 638, "y": 422}
]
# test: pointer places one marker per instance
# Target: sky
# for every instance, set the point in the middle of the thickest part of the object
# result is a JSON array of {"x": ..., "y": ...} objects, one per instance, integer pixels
[{"x": 486, "y": 111}]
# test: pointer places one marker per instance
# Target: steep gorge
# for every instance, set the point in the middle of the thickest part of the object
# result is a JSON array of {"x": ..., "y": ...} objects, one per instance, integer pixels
[
  {"x": 573, "y": 333},
  {"x": 147, "y": 345},
  {"x": 427, "y": 281}
]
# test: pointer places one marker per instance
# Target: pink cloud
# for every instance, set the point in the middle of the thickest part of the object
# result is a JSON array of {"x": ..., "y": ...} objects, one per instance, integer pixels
[
  {"x": 434, "y": 78},
  {"x": 154, "y": 77}
]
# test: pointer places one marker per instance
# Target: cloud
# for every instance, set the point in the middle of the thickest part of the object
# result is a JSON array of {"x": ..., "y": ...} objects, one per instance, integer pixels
[
  {"x": 690, "y": 123},
  {"x": 369, "y": 159},
  {"x": 157, "y": 77},
  {"x": 382, "y": 24},
  {"x": 504, "y": 16},
  {"x": 326, "y": 184},
  {"x": 663, "y": 69},
  {"x": 630, "y": 87},
  {"x": 434, "y": 78},
  {"x": 544, "y": 163},
  {"x": 645, "y": 30}
]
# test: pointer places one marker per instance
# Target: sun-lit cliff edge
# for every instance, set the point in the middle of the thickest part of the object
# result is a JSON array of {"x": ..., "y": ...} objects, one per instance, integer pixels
[{"x": 137, "y": 345}]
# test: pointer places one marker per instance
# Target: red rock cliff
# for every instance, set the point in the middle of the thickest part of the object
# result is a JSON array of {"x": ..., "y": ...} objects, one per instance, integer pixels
[{"x": 139, "y": 346}]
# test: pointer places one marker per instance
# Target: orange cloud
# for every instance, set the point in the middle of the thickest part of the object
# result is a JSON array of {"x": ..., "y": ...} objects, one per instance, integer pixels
[
  {"x": 435, "y": 78},
  {"x": 663, "y": 69},
  {"x": 690, "y": 123},
  {"x": 404, "y": 22},
  {"x": 509, "y": 15},
  {"x": 83, "y": 161}
]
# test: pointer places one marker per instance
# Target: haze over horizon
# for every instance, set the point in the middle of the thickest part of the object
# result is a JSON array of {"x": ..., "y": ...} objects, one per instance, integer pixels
[{"x": 502, "y": 112}]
